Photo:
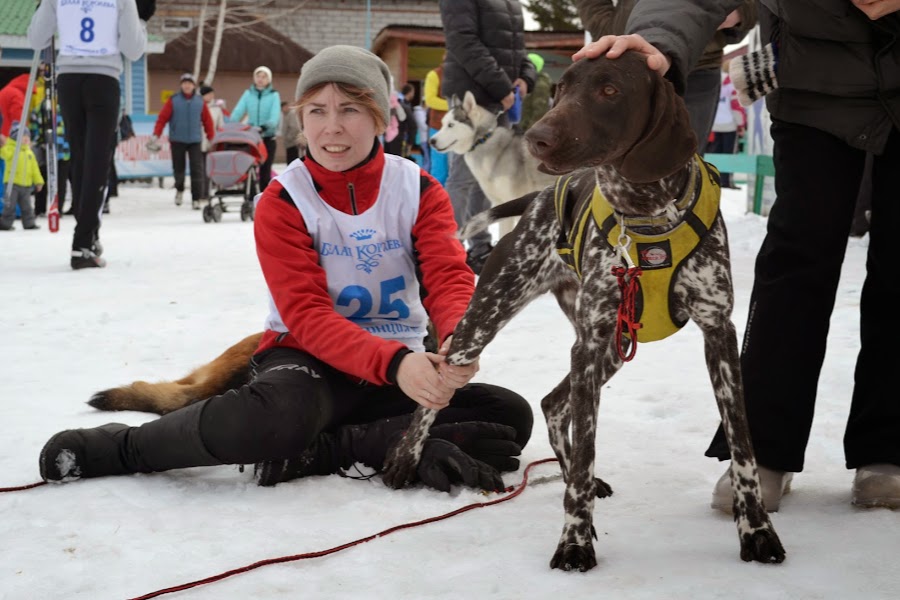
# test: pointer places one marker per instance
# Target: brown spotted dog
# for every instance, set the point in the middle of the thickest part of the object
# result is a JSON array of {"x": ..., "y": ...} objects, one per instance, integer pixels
[{"x": 623, "y": 131}]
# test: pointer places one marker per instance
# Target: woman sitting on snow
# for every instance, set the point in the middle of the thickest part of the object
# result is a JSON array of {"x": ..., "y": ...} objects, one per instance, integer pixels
[{"x": 358, "y": 250}]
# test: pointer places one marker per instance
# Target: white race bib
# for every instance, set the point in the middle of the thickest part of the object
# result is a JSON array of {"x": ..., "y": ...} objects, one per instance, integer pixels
[{"x": 88, "y": 27}]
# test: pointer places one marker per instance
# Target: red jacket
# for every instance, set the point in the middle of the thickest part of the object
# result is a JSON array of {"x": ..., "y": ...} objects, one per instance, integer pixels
[
  {"x": 166, "y": 113},
  {"x": 290, "y": 266},
  {"x": 12, "y": 98}
]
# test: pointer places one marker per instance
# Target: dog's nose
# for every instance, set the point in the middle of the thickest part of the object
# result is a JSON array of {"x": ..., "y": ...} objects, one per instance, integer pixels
[{"x": 541, "y": 139}]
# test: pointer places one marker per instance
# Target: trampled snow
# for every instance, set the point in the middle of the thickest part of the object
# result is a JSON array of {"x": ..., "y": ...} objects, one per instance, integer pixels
[{"x": 178, "y": 291}]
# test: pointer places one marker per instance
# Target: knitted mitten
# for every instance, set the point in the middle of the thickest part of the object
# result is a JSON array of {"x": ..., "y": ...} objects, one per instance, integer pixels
[{"x": 754, "y": 74}]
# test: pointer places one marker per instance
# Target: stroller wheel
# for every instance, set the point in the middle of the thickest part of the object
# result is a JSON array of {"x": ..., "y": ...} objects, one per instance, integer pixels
[
  {"x": 207, "y": 214},
  {"x": 217, "y": 213},
  {"x": 246, "y": 211}
]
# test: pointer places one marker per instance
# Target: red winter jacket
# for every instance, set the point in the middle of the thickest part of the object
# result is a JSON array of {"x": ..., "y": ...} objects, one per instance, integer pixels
[
  {"x": 290, "y": 266},
  {"x": 12, "y": 98}
]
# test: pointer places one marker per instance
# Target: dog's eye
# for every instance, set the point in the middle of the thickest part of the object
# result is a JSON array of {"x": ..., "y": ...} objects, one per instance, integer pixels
[{"x": 609, "y": 90}]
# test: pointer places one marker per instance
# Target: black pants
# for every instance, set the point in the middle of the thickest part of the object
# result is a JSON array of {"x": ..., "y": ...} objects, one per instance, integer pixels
[
  {"x": 724, "y": 142},
  {"x": 701, "y": 97},
  {"x": 797, "y": 272},
  {"x": 294, "y": 397},
  {"x": 90, "y": 109},
  {"x": 265, "y": 169},
  {"x": 194, "y": 153}
]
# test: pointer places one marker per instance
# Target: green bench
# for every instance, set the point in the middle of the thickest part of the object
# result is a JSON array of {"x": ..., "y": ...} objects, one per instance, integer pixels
[{"x": 760, "y": 165}]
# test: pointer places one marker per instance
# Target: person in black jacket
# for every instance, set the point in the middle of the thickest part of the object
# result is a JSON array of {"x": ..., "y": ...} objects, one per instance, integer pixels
[
  {"x": 486, "y": 55},
  {"x": 835, "y": 96}
]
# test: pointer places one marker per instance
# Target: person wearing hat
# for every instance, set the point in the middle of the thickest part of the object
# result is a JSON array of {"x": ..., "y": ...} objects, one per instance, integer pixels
[
  {"x": 189, "y": 119},
  {"x": 26, "y": 178},
  {"x": 260, "y": 104},
  {"x": 88, "y": 69},
  {"x": 358, "y": 249}
]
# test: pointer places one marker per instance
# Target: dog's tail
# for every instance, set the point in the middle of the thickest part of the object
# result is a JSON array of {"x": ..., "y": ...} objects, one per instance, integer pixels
[
  {"x": 229, "y": 370},
  {"x": 484, "y": 219}
]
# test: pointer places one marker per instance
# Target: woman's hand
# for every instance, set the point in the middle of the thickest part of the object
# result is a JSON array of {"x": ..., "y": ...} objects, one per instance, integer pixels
[
  {"x": 523, "y": 87},
  {"x": 614, "y": 45},
  {"x": 455, "y": 376},
  {"x": 418, "y": 377}
]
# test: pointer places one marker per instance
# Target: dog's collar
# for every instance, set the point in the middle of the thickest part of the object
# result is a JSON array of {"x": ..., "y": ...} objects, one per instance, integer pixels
[
  {"x": 690, "y": 193},
  {"x": 482, "y": 139}
]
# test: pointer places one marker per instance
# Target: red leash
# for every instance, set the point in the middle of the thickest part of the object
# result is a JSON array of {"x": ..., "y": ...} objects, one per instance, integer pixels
[
  {"x": 513, "y": 492},
  {"x": 23, "y": 487},
  {"x": 625, "y": 318}
]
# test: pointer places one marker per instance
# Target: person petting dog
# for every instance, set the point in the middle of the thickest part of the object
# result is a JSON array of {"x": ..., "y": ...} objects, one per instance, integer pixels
[
  {"x": 485, "y": 55},
  {"x": 831, "y": 86},
  {"x": 358, "y": 250}
]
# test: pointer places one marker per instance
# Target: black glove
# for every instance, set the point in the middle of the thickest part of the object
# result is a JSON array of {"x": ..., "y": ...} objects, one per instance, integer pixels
[
  {"x": 146, "y": 8},
  {"x": 443, "y": 464},
  {"x": 491, "y": 443}
]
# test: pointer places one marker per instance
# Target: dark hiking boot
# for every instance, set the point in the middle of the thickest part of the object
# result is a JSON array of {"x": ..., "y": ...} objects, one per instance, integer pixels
[
  {"x": 84, "y": 258},
  {"x": 171, "y": 442},
  {"x": 83, "y": 453}
]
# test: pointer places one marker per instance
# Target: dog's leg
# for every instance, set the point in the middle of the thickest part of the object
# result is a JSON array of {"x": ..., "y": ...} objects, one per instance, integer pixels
[
  {"x": 515, "y": 273},
  {"x": 229, "y": 370},
  {"x": 759, "y": 541},
  {"x": 708, "y": 297},
  {"x": 555, "y": 407},
  {"x": 594, "y": 361}
]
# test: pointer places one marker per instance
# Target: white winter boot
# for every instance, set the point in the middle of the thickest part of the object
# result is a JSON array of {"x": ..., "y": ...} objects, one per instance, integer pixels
[
  {"x": 774, "y": 485},
  {"x": 877, "y": 485}
]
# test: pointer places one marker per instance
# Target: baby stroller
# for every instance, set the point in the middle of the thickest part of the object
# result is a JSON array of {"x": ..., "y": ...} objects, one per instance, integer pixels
[{"x": 234, "y": 155}]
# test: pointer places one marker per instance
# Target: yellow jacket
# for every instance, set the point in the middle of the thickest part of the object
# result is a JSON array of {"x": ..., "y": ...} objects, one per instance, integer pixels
[{"x": 27, "y": 171}]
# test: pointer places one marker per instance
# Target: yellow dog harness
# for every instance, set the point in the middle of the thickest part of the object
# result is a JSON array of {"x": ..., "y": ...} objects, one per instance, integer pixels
[{"x": 658, "y": 255}]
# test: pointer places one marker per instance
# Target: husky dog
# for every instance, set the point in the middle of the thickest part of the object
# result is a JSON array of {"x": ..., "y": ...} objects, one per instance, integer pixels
[{"x": 496, "y": 155}]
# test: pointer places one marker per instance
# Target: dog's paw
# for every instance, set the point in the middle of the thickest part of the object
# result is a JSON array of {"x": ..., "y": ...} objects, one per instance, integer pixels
[
  {"x": 762, "y": 546},
  {"x": 399, "y": 470},
  {"x": 601, "y": 488},
  {"x": 573, "y": 557}
]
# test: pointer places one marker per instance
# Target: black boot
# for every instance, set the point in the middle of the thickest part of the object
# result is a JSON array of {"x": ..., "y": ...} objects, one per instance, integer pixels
[
  {"x": 170, "y": 442},
  {"x": 469, "y": 453}
]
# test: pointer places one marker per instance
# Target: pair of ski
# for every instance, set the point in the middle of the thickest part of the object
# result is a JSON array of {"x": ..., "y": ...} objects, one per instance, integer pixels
[{"x": 48, "y": 126}]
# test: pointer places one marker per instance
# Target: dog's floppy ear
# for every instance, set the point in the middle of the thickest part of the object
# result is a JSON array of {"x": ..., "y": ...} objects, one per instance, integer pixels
[{"x": 668, "y": 141}]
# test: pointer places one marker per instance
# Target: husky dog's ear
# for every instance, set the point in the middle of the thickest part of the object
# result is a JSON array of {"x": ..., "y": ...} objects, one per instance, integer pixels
[
  {"x": 454, "y": 101},
  {"x": 469, "y": 103}
]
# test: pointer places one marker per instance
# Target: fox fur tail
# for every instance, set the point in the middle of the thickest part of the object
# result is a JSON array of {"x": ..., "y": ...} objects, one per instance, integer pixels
[
  {"x": 229, "y": 370},
  {"x": 484, "y": 219}
]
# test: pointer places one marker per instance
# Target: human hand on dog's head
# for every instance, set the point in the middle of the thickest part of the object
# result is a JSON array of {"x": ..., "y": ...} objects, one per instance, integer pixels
[{"x": 614, "y": 45}]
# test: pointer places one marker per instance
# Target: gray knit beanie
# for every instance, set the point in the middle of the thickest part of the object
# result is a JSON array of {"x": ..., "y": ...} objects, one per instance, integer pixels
[{"x": 352, "y": 65}]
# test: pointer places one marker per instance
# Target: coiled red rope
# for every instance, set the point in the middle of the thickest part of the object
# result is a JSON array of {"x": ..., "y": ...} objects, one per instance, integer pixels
[
  {"x": 626, "y": 321},
  {"x": 513, "y": 491}
]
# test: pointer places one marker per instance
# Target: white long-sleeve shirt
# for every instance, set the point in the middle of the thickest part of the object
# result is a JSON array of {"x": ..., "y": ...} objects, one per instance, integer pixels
[{"x": 131, "y": 38}]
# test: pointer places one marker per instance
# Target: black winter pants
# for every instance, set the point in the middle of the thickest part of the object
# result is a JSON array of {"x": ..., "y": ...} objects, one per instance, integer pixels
[
  {"x": 797, "y": 272},
  {"x": 295, "y": 397},
  {"x": 265, "y": 169},
  {"x": 90, "y": 107},
  {"x": 194, "y": 153}
]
